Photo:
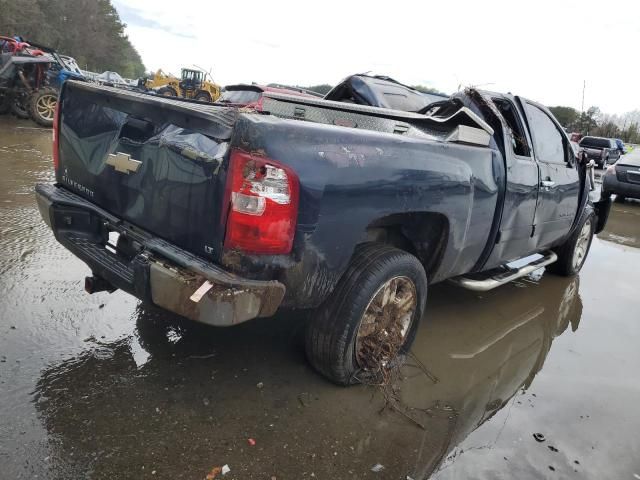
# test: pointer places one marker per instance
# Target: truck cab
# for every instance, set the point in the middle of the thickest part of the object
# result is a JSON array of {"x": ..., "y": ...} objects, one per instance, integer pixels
[{"x": 543, "y": 187}]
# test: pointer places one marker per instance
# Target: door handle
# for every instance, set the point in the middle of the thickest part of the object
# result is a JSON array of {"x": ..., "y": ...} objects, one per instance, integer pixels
[{"x": 547, "y": 183}]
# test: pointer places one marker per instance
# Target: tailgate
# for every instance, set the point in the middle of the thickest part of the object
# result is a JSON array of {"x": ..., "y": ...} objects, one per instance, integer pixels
[{"x": 152, "y": 161}]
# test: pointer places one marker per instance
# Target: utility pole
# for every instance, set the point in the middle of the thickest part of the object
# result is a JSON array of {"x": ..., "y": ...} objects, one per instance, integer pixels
[{"x": 584, "y": 86}]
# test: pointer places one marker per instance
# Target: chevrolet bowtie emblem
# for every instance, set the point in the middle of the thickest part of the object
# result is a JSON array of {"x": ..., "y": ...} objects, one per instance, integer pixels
[{"x": 123, "y": 162}]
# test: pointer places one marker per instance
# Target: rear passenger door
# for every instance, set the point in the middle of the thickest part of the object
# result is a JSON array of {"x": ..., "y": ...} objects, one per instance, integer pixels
[{"x": 559, "y": 185}]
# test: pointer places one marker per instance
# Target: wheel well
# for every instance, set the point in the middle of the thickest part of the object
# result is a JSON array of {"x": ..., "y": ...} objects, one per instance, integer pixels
[
  {"x": 423, "y": 234},
  {"x": 202, "y": 92}
]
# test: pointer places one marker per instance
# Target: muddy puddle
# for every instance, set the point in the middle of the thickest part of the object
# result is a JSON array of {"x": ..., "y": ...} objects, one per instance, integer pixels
[{"x": 103, "y": 387}]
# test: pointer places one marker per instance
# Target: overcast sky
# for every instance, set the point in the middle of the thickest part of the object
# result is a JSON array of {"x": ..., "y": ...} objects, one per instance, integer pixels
[{"x": 539, "y": 49}]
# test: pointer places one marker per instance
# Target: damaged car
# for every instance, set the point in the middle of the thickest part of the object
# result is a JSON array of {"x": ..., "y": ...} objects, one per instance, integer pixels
[{"x": 345, "y": 210}]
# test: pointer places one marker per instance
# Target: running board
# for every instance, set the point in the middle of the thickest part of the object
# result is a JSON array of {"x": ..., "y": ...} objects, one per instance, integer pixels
[{"x": 491, "y": 279}]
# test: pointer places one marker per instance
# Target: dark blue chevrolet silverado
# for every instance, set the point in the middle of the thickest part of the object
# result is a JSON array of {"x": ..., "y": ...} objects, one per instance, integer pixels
[{"x": 349, "y": 211}]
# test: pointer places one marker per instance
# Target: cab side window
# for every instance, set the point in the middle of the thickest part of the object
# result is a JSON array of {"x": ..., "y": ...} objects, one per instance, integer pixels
[{"x": 548, "y": 143}]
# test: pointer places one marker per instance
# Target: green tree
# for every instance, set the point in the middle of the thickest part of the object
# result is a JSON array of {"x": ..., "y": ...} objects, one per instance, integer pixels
[
  {"x": 589, "y": 120},
  {"x": 632, "y": 133},
  {"x": 88, "y": 30},
  {"x": 567, "y": 116},
  {"x": 607, "y": 129}
]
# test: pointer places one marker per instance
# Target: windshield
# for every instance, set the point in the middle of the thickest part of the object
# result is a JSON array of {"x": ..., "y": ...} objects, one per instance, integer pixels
[
  {"x": 240, "y": 96},
  {"x": 595, "y": 142}
]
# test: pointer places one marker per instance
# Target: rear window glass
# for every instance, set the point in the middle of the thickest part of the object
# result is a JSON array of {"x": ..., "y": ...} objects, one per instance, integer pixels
[
  {"x": 240, "y": 96},
  {"x": 595, "y": 142}
]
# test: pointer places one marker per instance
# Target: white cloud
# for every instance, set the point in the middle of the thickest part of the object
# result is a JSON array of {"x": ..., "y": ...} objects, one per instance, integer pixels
[{"x": 542, "y": 50}]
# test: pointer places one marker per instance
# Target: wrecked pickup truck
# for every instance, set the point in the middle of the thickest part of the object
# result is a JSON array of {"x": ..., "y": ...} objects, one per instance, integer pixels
[{"x": 347, "y": 211}]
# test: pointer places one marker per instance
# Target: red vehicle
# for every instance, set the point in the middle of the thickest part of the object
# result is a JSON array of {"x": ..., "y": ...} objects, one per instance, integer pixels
[
  {"x": 14, "y": 45},
  {"x": 251, "y": 96}
]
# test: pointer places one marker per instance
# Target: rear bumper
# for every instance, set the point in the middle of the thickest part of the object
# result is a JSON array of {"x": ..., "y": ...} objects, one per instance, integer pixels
[
  {"x": 150, "y": 268},
  {"x": 611, "y": 184}
]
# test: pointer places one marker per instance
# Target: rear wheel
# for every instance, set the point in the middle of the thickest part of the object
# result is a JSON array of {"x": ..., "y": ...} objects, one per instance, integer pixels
[
  {"x": 370, "y": 320},
  {"x": 5, "y": 106},
  {"x": 202, "y": 97},
  {"x": 573, "y": 253},
  {"x": 19, "y": 106},
  {"x": 42, "y": 106},
  {"x": 167, "y": 92}
]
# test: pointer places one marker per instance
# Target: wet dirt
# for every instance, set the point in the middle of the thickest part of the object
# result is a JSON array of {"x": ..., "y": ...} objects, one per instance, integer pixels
[{"x": 103, "y": 387}]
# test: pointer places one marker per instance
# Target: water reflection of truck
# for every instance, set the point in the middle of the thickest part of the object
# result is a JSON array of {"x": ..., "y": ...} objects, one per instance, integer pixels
[{"x": 482, "y": 352}]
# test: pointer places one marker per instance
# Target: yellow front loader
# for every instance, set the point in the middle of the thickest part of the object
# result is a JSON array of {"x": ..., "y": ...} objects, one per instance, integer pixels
[{"x": 194, "y": 84}]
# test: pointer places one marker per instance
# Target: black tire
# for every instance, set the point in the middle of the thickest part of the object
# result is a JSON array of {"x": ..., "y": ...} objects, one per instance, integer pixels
[
  {"x": 203, "y": 97},
  {"x": 167, "y": 92},
  {"x": 5, "y": 106},
  {"x": 620, "y": 198},
  {"x": 330, "y": 338},
  {"x": 42, "y": 106},
  {"x": 567, "y": 265},
  {"x": 19, "y": 107}
]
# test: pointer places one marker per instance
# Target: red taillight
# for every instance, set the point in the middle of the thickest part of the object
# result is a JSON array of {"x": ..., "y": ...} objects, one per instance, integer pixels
[
  {"x": 55, "y": 132},
  {"x": 263, "y": 205}
]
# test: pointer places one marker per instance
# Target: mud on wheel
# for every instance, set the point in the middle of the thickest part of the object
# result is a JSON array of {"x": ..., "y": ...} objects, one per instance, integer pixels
[
  {"x": 370, "y": 320},
  {"x": 42, "y": 106}
]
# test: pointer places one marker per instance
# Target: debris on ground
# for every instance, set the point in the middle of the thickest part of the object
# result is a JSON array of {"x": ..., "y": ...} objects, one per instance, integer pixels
[
  {"x": 378, "y": 467},
  {"x": 260, "y": 385},
  {"x": 539, "y": 437},
  {"x": 217, "y": 471},
  {"x": 251, "y": 442}
]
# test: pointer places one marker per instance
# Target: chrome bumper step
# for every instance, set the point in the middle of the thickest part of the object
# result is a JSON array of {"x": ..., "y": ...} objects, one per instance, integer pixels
[{"x": 482, "y": 282}]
